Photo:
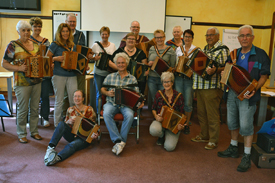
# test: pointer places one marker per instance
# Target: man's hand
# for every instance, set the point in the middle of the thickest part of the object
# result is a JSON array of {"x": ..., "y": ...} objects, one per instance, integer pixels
[
  {"x": 211, "y": 71},
  {"x": 248, "y": 96}
]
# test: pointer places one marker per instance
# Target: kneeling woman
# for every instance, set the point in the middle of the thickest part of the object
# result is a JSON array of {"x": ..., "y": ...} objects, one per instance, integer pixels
[
  {"x": 166, "y": 137},
  {"x": 64, "y": 129}
]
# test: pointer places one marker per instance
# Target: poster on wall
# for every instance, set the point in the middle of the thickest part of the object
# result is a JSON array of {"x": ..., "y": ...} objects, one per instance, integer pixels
[
  {"x": 60, "y": 17},
  {"x": 230, "y": 39}
]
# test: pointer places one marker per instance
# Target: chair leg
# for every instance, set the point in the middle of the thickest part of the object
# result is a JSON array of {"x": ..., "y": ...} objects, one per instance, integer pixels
[{"x": 3, "y": 126}]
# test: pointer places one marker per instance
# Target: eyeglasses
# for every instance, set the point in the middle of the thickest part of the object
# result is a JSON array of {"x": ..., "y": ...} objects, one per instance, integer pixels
[
  {"x": 166, "y": 82},
  {"x": 135, "y": 27},
  {"x": 247, "y": 36},
  {"x": 159, "y": 37},
  {"x": 72, "y": 22},
  {"x": 188, "y": 37},
  {"x": 131, "y": 39},
  {"x": 210, "y": 35}
]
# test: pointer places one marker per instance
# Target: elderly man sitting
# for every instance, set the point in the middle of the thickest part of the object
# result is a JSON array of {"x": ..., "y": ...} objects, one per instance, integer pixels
[{"x": 121, "y": 78}]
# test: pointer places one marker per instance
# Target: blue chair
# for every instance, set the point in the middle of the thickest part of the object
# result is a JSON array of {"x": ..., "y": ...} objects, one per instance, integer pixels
[{"x": 5, "y": 110}]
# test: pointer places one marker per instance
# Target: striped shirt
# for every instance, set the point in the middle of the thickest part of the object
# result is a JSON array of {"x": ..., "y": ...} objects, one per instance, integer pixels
[
  {"x": 219, "y": 56},
  {"x": 115, "y": 80}
]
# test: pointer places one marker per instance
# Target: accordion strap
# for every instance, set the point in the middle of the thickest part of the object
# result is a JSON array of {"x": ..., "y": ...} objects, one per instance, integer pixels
[
  {"x": 193, "y": 51},
  {"x": 82, "y": 115},
  {"x": 182, "y": 50},
  {"x": 124, "y": 86},
  {"x": 63, "y": 46},
  {"x": 167, "y": 48},
  {"x": 167, "y": 101},
  {"x": 101, "y": 46},
  {"x": 140, "y": 40},
  {"x": 23, "y": 47},
  {"x": 79, "y": 38},
  {"x": 233, "y": 55}
]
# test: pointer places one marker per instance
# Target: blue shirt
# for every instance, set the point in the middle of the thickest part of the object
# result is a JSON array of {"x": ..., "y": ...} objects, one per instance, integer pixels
[{"x": 243, "y": 62}]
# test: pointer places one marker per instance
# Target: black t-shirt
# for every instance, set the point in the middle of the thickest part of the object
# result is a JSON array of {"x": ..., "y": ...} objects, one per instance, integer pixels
[{"x": 139, "y": 55}]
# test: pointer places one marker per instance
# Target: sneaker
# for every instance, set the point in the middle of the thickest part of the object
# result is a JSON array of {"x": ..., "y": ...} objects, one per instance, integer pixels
[
  {"x": 46, "y": 123},
  {"x": 50, "y": 154},
  {"x": 118, "y": 147},
  {"x": 210, "y": 146},
  {"x": 53, "y": 159},
  {"x": 231, "y": 151},
  {"x": 161, "y": 140},
  {"x": 27, "y": 125},
  {"x": 186, "y": 130},
  {"x": 245, "y": 163},
  {"x": 198, "y": 139}
]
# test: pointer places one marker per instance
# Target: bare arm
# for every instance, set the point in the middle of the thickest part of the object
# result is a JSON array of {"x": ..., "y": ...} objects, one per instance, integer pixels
[
  {"x": 110, "y": 93},
  {"x": 261, "y": 82},
  {"x": 13, "y": 68},
  {"x": 57, "y": 58}
]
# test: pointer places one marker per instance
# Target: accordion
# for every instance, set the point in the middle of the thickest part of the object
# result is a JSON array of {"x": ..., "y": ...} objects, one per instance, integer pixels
[
  {"x": 138, "y": 70},
  {"x": 84, "y": 128},
  {"x": 238, "y": 79},
  {"x": 145, "y": 46},
  {"x": 182, "y": 67},
  {"x": 160, "y": 66},
  {"x": 39, "y": 67},
  {"x": 103, "y": 63},
  {"x": 128, "y": 98},
  {"x": 84, "y": 50},
  {"x": 171, "y": 119},
  {"x": 74, "y": 61},
  {"x": 199, "y": 62}
]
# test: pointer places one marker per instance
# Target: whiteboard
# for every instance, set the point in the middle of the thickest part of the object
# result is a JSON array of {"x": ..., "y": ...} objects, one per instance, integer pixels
[
  {"x": 60, "y": 17},
  {"x": 118, "y": 14},
  {"x": 230, "y": 39},
  {"x": 172, "y": 21}
]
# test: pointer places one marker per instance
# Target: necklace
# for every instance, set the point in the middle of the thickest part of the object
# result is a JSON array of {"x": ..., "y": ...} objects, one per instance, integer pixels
[
  {"x": 243, "y": 56},
  {"x": 131, "y": 51}
]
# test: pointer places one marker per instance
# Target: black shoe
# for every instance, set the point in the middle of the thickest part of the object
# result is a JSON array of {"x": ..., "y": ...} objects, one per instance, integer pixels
[
  {"x": 186, "y": 130},
  {"x": 134, "y": 124},
  {"x": 231, "y": 151},
  {"x": 161, "y": 140},
  {"x": 245, "y": 163}
]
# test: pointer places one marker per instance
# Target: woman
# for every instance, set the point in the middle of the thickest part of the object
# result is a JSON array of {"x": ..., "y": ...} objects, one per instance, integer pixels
[
  {"x": 154, "y": 82},
  {"x": 100, "y": 75},
  {"x": 36, "y": 24},
  {"x": 64, "y": 129},
  {"x": 27, "y": 90},
  {"x": 62, "y": 78},
  {"x": 184, "y": 84},
  {"x": 166, "y": 137},
  {"x": 177, "y": 40},
  {"x": 135, "y": 54}
]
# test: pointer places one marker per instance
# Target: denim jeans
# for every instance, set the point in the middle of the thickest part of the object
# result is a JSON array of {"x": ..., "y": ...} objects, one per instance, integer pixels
[
  {"x": 154, "y": 84},
  {"x": 75, "y": 143},
  {"x": 109, "y": 111},
  {"x": 185, "y": 86},
  {"x": 98, "y": 79},
  {"x": 240, "y": 115},
  {"x": 46, "y": 86}
]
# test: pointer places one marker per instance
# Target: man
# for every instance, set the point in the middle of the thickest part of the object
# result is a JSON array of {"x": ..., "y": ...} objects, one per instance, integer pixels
[
  {"x": 121, "y": 78},
  {"x": 240, "y": 113},
  {"x": 135, "y": 27},
  {"x": 209, "y": 92},
  {"x": 177, "y": 39}
]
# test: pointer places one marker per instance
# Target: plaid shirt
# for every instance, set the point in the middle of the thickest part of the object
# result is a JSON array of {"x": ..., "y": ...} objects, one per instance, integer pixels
[
  {"x": 219, "y": 56},
  {"x": 115, "y": 80}
]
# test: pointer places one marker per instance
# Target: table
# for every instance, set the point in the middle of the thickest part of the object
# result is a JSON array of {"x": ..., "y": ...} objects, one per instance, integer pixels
[{"x": 8, "y": 75}]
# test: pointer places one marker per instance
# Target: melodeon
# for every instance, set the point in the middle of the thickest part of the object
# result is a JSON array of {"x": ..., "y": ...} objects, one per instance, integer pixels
[
  {"x": 182, "y": 67},
  {"x": 160, "y": 66},
  {"x": 38, "y": 67},
  {"x": 84, "y": 50},
  {"x": 74, "y": 61},
  {"x": 84, "y": 128},
  {"x": 238, "y": 79},
  {"x": 103, "y": 63},
  {"x": 199, "y": 62},
  {"x": 171, "y": 119},
  {"x": 128, "y": 98},
  {"x": 138, "y": 70},
  {"x": 145, "y": 46}
]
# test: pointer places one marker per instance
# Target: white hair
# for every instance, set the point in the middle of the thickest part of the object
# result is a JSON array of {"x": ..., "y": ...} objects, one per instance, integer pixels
[
  {"x": 167, "y": 75},
  {"x": 246, "y": 26},
  {"x": 133, "y": 22},
  {"x": 123, "y": 55},
  {"x": 216, "y": 30},
  {"x": 70, "y": 14},
  {"x": 177, "y": 26},
  {"x": 22, "y": 24}
]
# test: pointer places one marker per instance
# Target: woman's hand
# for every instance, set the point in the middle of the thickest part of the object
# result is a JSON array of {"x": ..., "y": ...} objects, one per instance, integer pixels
[
  {"x": 59, "y": 58},
  {"x": 159, "y": 118},
  {"x": 147, "y": 72},
  {"x": 95, "y": 135},
  {"x": 150, "y": 63},
  {"x": 23, "y": 68},
  {"x": 97, "y": 57},
  {"x": 70, "y": 121}
]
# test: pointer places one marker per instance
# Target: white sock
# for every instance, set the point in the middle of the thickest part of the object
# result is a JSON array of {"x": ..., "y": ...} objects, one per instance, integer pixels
[
  {"x": 234, "y": 142},
  {"x": 247, "y": 150}
]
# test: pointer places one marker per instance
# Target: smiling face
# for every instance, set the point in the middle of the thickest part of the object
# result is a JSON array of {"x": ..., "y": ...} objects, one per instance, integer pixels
[
  {"x": 160, "y": 38},
  {"x": 188, "y": 39},
  {"x": 131, "y": 41},
  {"x": 167, "y": 84},
  {"x": 65, "y": 33},
  {"x": 78, "y": 98},
  {"x": 72, "y": 22},
  {"x": 246, "y": 38},
  {"x": 24, "y": 33},
  {"x": 36, "y": 29},
  {"x": 104, "y": 36},
  {"x": 121, "y": 64},
  {"x": 211, "y": 37},
  {"x": 135, "y": 28},
  {"x": 177, "y": 33}
]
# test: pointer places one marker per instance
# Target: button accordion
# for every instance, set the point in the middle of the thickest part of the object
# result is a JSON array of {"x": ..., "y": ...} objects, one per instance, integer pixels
[
  {"x": 138, "y": 70},
  {"x": 160, "y": 66},
  {"x": 74, "y": 61},
  {"x": 128, "y": 98},
  {"x": 239, "y": 80},
  {"x": 39, "y": 67},
  {"x": 182, "y": 67},
  {"x": 84, "y": 50},
  {"x": 171, "y": 119},
  {"x": 145, "y": 46},
  {"x": 84, "y": 128},
  {"x": 103, "y": 63}
]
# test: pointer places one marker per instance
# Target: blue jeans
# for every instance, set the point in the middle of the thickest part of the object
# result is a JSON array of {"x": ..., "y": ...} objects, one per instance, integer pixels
[
  {"x": 98, "y": 84},
  {"x": 109, "y": 111},
  {"x": 240, "y": 114},
  {"x": 76, "y": 143},
  {"x": 46, "y": 86},
  {"x": 154, "y": 84},
  {"x": 185, "y": 86}
]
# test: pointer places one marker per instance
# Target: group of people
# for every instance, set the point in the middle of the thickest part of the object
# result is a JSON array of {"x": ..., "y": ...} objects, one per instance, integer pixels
[{"x": 175, "y": 90}]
